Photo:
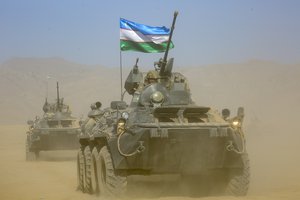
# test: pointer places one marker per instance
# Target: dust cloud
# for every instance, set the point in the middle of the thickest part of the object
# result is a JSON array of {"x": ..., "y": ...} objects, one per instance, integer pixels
[{"x": 268, "y": 91}]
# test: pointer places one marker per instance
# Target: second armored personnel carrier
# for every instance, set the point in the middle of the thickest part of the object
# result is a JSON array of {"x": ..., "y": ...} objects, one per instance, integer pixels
[
  {"x": 57, "y": 129},
  {"x": 161, "y": 131}
]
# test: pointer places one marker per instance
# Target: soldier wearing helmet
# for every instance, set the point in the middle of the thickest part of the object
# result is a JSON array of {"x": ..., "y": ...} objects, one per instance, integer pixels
[
  {"x": 151, "y": 77},
  {"x": 94, "y": 115}
]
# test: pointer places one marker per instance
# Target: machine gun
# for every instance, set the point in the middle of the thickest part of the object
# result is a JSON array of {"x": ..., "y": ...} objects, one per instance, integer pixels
[
  {"x": 133, "y": 79},
  {"x": 58, "y": 100},
  {"x": 164, "y": 65}
]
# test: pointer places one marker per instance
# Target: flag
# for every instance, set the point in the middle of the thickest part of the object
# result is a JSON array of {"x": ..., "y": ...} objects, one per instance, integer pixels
[{"x": 143, "y": 38}]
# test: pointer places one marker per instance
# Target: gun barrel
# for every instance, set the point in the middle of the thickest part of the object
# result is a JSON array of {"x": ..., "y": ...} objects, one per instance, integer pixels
[
  {"x": 57, "y": 91},
  {"x": 168, "y": 44}
]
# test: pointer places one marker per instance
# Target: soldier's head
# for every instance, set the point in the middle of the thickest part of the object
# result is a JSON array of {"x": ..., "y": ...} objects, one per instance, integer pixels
[
  {"x": 151, "y": 77},
  {"x": 96, "y": 105},
  {"x": 225, "y": 113}
]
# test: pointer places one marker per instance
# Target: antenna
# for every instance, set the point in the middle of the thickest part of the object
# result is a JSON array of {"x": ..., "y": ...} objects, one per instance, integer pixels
[{"x": 47, "y": 83}]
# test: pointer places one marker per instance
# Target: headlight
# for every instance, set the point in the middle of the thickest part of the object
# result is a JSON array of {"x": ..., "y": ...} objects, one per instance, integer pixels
[
  {"x": 157, "y": 97},
  {"x": 125, "y": 115},
  {"x": 236, "y": 123}
]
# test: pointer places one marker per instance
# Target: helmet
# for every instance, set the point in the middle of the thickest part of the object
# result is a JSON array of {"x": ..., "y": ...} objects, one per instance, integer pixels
[{"x": 151, "y": 77}]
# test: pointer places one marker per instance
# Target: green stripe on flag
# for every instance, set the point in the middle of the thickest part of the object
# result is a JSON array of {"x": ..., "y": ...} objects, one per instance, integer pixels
[{"x": 146, "y": 47}]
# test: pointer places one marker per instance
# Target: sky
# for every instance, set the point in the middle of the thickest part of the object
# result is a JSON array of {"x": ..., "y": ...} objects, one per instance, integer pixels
[{"x": 206, "y": 31}]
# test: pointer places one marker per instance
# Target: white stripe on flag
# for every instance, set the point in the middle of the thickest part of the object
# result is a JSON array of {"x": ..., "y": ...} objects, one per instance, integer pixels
[{"x": 137, "y": 36}]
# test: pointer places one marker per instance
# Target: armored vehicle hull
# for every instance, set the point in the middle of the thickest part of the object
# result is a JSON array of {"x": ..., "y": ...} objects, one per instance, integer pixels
[
  {"x": 186, "y": 140},
  {"x": 54, "y": 139},
  {"x": 184, "y": 149}
]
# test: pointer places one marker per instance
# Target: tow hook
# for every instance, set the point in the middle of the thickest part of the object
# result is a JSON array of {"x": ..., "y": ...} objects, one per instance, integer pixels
[
  {"x": 230, "y": 146},
  {"x": 141, "y": 147}
]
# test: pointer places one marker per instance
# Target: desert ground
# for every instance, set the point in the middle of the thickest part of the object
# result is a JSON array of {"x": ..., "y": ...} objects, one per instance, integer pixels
[{"x": 268, "y": 91}]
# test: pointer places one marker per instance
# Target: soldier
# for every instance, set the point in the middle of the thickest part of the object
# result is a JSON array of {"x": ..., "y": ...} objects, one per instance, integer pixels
[
  {"x": 151, "y": 77},
  {"x": 226, "y": 114},
  {"x": 93, "y": 115},
  {"x": 46, "y": 107}
]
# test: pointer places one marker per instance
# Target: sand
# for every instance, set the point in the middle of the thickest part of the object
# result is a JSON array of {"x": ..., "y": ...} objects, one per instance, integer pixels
[{"x": 54, "y": 175}]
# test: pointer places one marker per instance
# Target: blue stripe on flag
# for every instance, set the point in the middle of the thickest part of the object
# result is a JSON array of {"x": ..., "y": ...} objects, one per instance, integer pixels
[{"x": 144, "y": 29}]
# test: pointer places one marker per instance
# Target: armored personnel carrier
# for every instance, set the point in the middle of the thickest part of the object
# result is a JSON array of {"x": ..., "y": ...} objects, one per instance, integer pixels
[
  {"x": 161, "y": 131},
  {"x": 56, "y": 130}
]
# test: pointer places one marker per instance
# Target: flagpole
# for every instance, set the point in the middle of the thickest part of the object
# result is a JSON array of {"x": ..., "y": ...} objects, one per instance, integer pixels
[{"x": 121, "y": 75}]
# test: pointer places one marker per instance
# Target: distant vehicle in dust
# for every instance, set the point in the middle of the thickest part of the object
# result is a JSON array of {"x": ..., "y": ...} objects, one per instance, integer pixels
[{"x": 57, "y": 129}]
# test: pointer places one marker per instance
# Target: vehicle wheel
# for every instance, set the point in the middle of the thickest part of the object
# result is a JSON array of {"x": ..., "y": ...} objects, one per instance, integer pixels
[
  {"x": 110, "y": 184},
  {"x": 81, "y": 170},
  {"x": 30, "y": 156},
  {"x": 238, "y": 184},
  {"x": 91, "y": 171}
]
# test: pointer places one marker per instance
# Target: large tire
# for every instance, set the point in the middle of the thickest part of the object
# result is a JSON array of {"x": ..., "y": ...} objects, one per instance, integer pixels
[
  {"x": 30, "y": 156},
  {"x": 110, "y": 184},
  {"x": 238, "y": 184},
  {"x": 91, "y": 178},
  {"x": 80, "y": 171}
]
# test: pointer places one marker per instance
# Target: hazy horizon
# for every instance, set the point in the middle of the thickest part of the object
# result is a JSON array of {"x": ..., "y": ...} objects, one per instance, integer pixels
[{"x": 143, "y": 65}]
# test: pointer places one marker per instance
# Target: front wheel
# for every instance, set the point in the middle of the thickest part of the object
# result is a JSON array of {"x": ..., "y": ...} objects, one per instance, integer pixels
[
  {"x": 91, "y": 178},
  {"x": 81, "y": 170},
  {"x": 110, "y": 184},
  {"x": 30, "y": 156},
  {"x": 238, "y": 183}
]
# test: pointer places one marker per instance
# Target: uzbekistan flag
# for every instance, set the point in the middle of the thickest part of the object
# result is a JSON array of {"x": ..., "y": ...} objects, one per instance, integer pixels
[{"x": 143, "y": 38}]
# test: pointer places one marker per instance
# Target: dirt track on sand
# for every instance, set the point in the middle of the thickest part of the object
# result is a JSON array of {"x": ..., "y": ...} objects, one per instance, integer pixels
[{"x": 54, "y": 176}]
